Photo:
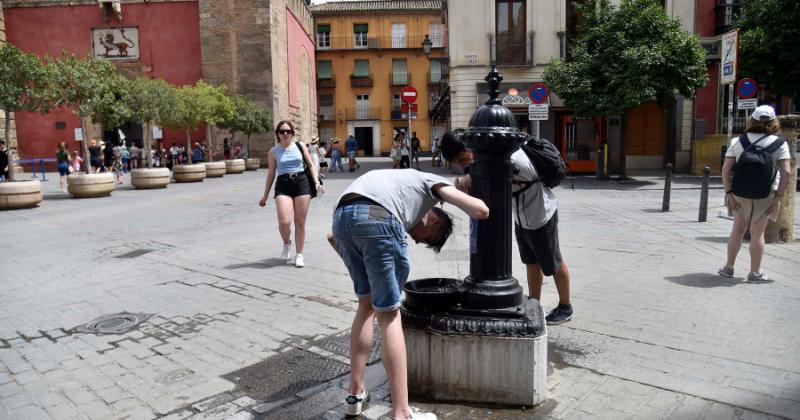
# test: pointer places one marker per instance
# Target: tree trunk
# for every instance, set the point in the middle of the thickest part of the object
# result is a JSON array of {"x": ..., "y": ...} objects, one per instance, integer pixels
[
  {"x": 7, "y": 138},
  {"x": 188, "y": 147},
  {"x": 623, "y": 161},
  {"x": 148, "y": 132},
  {"x": 87, "y": 157},
  {"x": 248, "y": 146},
  {"x": 781, "y": 230}
]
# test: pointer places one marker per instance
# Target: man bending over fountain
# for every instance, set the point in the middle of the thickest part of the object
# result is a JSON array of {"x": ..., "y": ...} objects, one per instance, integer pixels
[{"x": 370, "y": 224}]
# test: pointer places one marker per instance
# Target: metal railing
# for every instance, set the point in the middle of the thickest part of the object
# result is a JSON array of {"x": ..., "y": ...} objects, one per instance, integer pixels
[
  {"x": 512, "y": 53},
  {"x": 326, "y": 113},
  {"x": 371, "y": 42},
  {"x": 361, "y": 81},
  {"x": 434, "y": 78},
  {"x": 326, "y": 83},
  {"x": 400, "y": 79},
  {"x": 363, "y": 113}
]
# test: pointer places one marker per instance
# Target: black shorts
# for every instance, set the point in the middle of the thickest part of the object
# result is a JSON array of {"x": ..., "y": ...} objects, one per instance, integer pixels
[
  {"x": 540, "y": 246},
  {"x": 293, "y": 185},
  {"x": 323, "y": 164}
]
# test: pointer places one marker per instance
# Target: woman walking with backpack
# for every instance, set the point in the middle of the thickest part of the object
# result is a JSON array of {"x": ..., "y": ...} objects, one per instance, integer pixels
[{"x": 759, "y": 161}]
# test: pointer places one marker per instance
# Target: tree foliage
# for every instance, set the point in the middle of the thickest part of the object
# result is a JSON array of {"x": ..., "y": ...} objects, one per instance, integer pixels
[
  {"x": 626, "y": 56},
  {"x": 150, "y": 100},
  {"x": 23, "y": 79},
  {"x": 769, "y": 44}
]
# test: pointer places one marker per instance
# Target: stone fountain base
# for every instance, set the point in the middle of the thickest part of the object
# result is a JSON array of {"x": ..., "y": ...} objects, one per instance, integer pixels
[{"x": 478, "y": 368}]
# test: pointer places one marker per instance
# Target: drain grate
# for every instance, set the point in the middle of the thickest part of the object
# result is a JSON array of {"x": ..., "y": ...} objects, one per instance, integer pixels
[
  {"x": 340, "y": 344},
  {"x": 285, "y": 374},
  {"x": 135, "y": 253},
  {"x": 113, "y": 324}
]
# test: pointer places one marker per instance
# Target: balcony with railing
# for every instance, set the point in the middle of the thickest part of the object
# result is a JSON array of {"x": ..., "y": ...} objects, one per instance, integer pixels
[
  {"x": 371, "y": 42},
  {"x": 361, "y": 81},
  {"x": 514, "y": 54},
  {"x": 400, "y": 78},
  {"x": 326, "y": 113},
  {"x": 326, "y": 83},
  {"x": 727, "y": 14},
  {"x": 363, "y": 113}
]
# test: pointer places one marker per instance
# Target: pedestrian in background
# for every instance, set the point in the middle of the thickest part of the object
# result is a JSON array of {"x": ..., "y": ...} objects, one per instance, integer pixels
[
  {"x": 119, "y": 168},
  {"x": 436, "y": 154},
  {"x": 336, "y": 156},
  {"x": 197, "y": 153},
  {"x": 754, "y": 213},
  {"x": 3, "y": 160},
  {"x": 535, "y": 211},
  {"x": 351, "y": 147},
  {"x": 62, "y": 158},
  {"x": 134, "y": 152},
  {"x": 94, "y": 156},
  {"x": 125, "y": 154},
  {"x": 292, "y": 189},
  {"x": 405, "y": 151},
  {"x": 76, "y": 161},
  {"x": 313, "y": 150},
  {"x": 370, "y": 223},
  {"x": 226, "y": 149},
  {"x": 397, "y": 141},
  {"x": 323, "y": 160},
  {"x": 416, "y": 147},
  {"x": 108, "y": 156}
]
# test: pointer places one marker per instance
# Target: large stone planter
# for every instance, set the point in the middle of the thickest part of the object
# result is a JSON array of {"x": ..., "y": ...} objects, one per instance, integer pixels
[
  {"x": 215, "y": 169},
  {"x": 252, "y": 164},
  {"x": 20, "y": 194},
  {"x": 234, "y": 166},
  {"x": 189, "y": 173},
  {"x": 90, "y": 185},
  {"x": 150, "y": 178}
]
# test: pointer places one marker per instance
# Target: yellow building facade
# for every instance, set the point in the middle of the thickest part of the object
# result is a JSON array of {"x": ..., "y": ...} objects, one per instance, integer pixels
[{"x": 367, "y": 52}]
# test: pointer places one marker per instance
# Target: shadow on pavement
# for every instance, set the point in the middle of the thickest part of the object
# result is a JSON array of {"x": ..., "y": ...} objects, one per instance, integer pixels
[
  {"x": 263, "y": 264},
  {"x": 704, "y": 280},
  {"x": 715, "y": 239}
]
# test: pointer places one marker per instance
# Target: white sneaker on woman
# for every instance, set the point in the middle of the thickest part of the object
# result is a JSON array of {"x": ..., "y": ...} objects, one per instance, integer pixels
[
  {"x": 287, "y": 248},
  {"x": 299, "y": 261}
]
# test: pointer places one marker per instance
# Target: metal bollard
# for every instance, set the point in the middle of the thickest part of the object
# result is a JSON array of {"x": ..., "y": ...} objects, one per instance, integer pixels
[
  {"x": 703, "y": 216},
  {"x": 667, "y": 187},
  {"x": 41, "y": 166}
]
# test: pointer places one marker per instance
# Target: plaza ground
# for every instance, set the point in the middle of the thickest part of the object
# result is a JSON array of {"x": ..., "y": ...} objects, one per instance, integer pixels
[{"x": 230, "y": 331}]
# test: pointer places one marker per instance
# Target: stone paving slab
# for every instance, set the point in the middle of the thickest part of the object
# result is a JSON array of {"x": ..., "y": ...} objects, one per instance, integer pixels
[{"x": 656, "y": 333}]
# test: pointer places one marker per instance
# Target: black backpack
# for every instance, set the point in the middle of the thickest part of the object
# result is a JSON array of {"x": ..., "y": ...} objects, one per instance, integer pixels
[
  {"x": 547, "y": 160},
  {"x": 754, "y": 171}
]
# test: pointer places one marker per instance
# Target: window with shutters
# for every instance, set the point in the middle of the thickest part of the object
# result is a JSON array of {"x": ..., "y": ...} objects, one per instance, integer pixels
[
  {"x": 399, "y": 37},
  {"x": 360, "y": 31},
  {"x": 436, "y": 34},
  {"x": 324, "y": 36},
  {"x": 324, "y": 70},
  {"x": 399, "y": 71},
  {"x": 510, "y": 32},
  {"x": 361, "y": 68},
  {"x": 326, "y": 107}
]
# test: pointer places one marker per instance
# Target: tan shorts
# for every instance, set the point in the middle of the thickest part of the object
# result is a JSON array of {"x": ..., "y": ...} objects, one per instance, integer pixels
[{"x": 753, "y": 210}]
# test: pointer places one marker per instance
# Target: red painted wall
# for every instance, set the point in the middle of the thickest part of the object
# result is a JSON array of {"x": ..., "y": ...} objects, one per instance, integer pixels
[
  {"x": 169, "y": 43},
  {"x": 706, "y": 101},
  {"x": 299, "y": 43}
]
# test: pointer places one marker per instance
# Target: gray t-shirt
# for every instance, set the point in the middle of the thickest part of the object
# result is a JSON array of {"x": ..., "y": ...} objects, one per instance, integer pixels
[
  {"x": 534, "y": 207},
  {"x": 407, "y": 194}
]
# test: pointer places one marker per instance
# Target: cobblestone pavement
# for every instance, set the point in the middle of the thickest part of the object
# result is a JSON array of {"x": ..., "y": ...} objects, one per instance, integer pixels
[{"x": 228, "y": 331}]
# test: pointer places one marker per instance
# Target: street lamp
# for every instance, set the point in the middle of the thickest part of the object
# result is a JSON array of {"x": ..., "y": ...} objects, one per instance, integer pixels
[{"x": 426, "y": 45}]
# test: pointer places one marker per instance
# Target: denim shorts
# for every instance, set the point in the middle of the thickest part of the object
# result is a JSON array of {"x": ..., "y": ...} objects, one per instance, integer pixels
[{"x": 373, "y": 246}]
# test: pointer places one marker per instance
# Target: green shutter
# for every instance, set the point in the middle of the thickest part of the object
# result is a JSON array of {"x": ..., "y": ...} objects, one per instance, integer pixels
[
  {"x": 362, "y": 68},
  {"x": 360, "y": 27},
  {"x": 324, "y": 70},
  {"x": 323, "y": 28}
]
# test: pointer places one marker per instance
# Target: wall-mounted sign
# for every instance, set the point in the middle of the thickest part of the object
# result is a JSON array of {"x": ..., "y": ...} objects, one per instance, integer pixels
[
  {"x": 470, "y": 58},
  {"x": 116, "y": 43}
]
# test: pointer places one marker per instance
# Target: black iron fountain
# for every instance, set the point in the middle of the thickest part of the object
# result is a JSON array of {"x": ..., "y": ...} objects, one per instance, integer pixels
[{"x": 479, "y": 339}]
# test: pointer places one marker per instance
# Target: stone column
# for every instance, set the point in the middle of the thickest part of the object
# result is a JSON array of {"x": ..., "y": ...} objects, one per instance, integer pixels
[{"x": 781, "y": 230}]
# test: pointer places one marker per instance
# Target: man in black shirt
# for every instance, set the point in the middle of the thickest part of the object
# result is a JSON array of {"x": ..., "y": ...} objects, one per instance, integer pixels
[{"x": 415, "y": 148}]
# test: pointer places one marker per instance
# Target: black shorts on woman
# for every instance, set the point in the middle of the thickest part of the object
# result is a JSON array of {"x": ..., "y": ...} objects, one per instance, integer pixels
[{"x": 292, "y": 185}]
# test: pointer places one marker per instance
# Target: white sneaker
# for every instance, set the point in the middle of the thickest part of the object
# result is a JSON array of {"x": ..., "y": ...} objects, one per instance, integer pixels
[
  {"x": 287, "y": 248},
  {"x": 420, "y": 416},
  {"x": 354, "y": 404},
  {"x": 299, "y": 261}
]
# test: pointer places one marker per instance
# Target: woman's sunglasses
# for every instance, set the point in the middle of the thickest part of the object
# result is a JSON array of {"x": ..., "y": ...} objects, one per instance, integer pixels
[{"x": 285, "y": 132}]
